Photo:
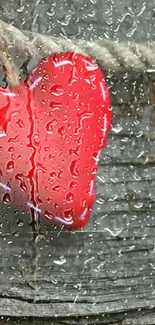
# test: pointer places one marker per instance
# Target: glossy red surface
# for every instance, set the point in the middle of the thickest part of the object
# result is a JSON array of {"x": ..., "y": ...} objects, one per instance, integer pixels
[{"x": 52, "y": 129}]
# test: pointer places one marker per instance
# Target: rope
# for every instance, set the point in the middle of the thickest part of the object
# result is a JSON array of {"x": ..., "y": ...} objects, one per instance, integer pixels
[{"x": 108, "y": 54}]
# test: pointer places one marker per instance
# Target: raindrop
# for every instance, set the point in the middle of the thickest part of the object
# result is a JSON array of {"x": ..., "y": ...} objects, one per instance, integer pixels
[
  {"x": 74, "y": 168},
  {"x": 49, "y": 127},
  {"x": 61, "y": 261},
  {"x": 57, "y": 90},
  {"x": 55, "y": 106},
  {"x": 61, "y": 131},
  {"x": 20, "y": 123},
  {"x": 51, "y": 12},
  {"x": 69, "y": 197},
  {"x": 117, "y": 129},
  {"x": 121, "y": 19},
  {"x": 73, "y": 185},
  {"x": 132, "y": 30},
  {"x": 14, "y": 139},
  {"x": 60, "y": 174},
  {"x": 53, "y": 174},
  {"x": 11, "y": 149},
  {"x": 10, "y": 166},
  {"x": 56, "y": 205},
  {"x": 114, "y": 233},
  {"x": 6, "y": 198},
  {"x": 43, "y": 87},
  {"x": 20, "y": 223},
  {"x": 68, "y": 214},
  {"x": 36, "y": 139},
  {"x": 21, "y": 180},
  {"x": 20, "y": 9},
  {"x": 138, "y": 205},
  {"x": 142, "y": 9},
  {"x": 56, "y": 188}
]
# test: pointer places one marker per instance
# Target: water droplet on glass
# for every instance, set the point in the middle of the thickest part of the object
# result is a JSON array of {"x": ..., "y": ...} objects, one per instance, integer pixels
[
  {"x": 6, "y": 198},
  {"x": 117, "y": 129},
  {"x": 51, "y": 12},
  {"x": 20, "y": 223},
  {"x": 20, "y": 9},
  {"x": 61, "y": 261},
  {"x": 132, "y": 29}
]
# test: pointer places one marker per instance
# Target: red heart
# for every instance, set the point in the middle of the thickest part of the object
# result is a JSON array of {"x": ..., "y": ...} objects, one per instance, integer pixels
[{"x": 52, "y": 129}]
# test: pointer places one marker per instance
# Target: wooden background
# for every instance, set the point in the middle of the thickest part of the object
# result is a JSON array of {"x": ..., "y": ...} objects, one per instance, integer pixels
[{"x": 104, "y": 274}]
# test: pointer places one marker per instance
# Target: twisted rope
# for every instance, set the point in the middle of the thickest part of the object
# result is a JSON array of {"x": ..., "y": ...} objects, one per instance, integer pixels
[{"x": 108, "y": 54}]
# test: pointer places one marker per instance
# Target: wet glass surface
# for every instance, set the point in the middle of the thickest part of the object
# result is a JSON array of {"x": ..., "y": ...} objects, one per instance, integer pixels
[{"x": 111, "y": 260}]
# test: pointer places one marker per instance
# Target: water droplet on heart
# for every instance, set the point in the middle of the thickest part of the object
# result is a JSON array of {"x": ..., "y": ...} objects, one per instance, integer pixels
[
  {"x": 53, "y": 174},
  {"x": 14, "y": 139},
  {"x": 57, "y": 90},
  {"x": 73, "y": 185},
  {"x": 94, "y": 171},
  {"x": 65, "y": 119},
  {"x": 49, "y": 127},
  {"x": 56, "y": 188},
  {"x": 60, "y": 174},
  {"x": 6, "y": 198},
  {"x": 10, "y": 166},
  {"x": 21, "y": 180},
  {"x": 83, "y": 201},
  {"x": 49, "y": 200},
  {"x": 43, "y": 87},
  {"x": 61, "y": 130},
  {"x": 69, "y": 197},
  {"x": 55, "y": 106},
  {"x": 74, "y": 151},
  {"x": 74, "y": 168},
  {"x": 36, "y": 139},
  {"x": 48, "y": 215},
  {"x": 11, "y": 149},
  {"x": 46, "y": 76},
  {"x": 68, "y": 214},
  {"x": 56, "y": 205},
  {"x": 20, "y": 123}
]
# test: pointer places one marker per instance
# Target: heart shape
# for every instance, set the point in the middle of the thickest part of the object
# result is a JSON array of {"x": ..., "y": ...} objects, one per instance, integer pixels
[{"x": 52, "y": 129}]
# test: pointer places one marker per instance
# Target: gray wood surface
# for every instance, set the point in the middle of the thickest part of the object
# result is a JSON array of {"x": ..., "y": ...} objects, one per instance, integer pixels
[{"x": 104, "y": 274}]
